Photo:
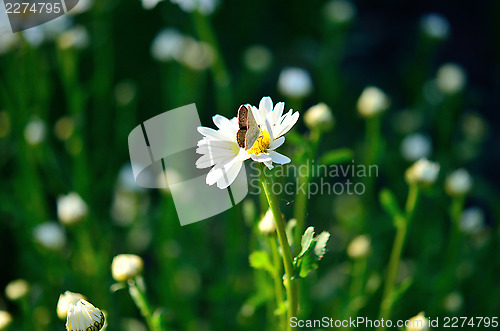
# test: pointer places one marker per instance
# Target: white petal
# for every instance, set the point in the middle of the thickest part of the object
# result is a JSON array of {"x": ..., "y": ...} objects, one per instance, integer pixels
[
  {"x": 288, "y": 122},
  {"x": 262, "y": 157},
  {"x": 205, "y": 161},
  {"x": 279, "y": 158},
  {"x": 221, "y": 122},
  {"x": 276, "y": 143},
  {"x": 269, "y": 165},
  {"x": 269, "y": 128},
  {"x": 229, "y": 176},
  {"x": 278, "y": 111}
]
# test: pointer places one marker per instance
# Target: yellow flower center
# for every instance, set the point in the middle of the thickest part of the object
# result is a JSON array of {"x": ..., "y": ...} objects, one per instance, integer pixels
[{"x": 261, "y": 144}]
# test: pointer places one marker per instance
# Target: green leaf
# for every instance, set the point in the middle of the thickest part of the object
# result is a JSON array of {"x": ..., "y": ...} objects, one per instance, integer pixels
[
  {"x": 306, "y": 242},
  {"x": 337, "y": 156},
  {"x": 390, "y": 204},
  {"x": 321, "y": 241},
  {"x": 306, "y": 264},
  {"x": 260, "y": 260}
]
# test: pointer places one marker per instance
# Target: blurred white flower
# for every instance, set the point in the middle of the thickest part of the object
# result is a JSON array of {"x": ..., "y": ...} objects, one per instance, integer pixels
[
  {"x": 75, "y": 38},
  {"x": 35, "y": 131},
  {"x": 418, "y": 323},
  {"x": 81, "y": 7},
  {"x": 196, "y": 55},
  {"x": 167, "y": 45},
  {"x": 266, "y": 225},
  {"x": 319, "y": 117},
  {"x": 17, "y": 289},
  {"x": 126, "y": 266},
  {"x": 46, "y": 32},
  {"x": 257, "y": 58},
  {"x": 340, "y": 11},
  {"x": 205, "y": 7},
  {"x": 5, "y": 320},
  {"x": 416, "y": 146},
  {"x": 453, "y": 302},
  {"x": 84, "y": 316},
  {"x": 295, "y": 82},
  {"x": 423, "y": 172},
  {"x": 459, "y": 182},
  {"x": 435, "y": 26},
  {"x": 65, "y": 300},
  {"x": 71, "y": 208},
  {"x": 472, "y": 220},
  {"x": 150, "y": 4},
  {"x": 50, "y": 235},
  {"x": 451, "y": 78},
  {"x": 372, "y": 102},
  {"x": 8, "y": 40},
  {"x": 359, "y": 247}
]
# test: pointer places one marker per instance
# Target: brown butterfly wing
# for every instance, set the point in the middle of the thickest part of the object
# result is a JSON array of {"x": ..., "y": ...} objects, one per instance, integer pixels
[
  {"x": 242, "y": 117},
  {"x": 240, "y": 137}
]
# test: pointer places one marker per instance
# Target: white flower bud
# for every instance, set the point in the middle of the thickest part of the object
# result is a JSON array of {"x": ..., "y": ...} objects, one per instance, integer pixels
[
  {"x": 64, "y": 302},
  {"x": 451, "y": 78},
  {"x": 319, "y": 117},
  {"x": 267, "y": 225},
  {"x": 340, "y": 11},
  {"x": 76, "y": 38},
  {"x": 50, "y": 235},
  {"x": 359, "y": 247},
  {"x": 295, "y": 82},
  {"x": 17, "y": 289},
  {"x": 459, "y": 182},
  {"x": 418, "y": 323},
  {"x": 5, "y": 320},
  {"x": 258, "y": 58},
  {"x": 71, "y": 209},
  {"x": 84, "y": 316},
  {"x": 149, "y": 4},
  {"x": 416, "y": 146},
  {"x": 34, "y": 132},
  {"x": 372, "y": 101},
  {"x": 126, "y": 266},
  {"x": 423, "y": 172},
  {"x": 472, "y": 220},
  {"x": 435, "y": 26},
  {"x": 167, "y": 45}
]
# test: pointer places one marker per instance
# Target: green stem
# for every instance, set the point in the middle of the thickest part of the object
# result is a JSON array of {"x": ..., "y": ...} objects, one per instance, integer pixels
[
  {"x": 139, "y": 296},
  {"x": 397, "y": 250},
  {"x": 290, "y": 282},
  {"x": 278, "y": 280}
]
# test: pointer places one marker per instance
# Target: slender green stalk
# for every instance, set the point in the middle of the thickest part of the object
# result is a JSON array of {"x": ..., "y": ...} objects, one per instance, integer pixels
[
  {"x": 397, "y": 250},
  {"x": 138, "y": 294},
  {"x": 290, "y": 282},
  {"x": 278, "y": 281}
]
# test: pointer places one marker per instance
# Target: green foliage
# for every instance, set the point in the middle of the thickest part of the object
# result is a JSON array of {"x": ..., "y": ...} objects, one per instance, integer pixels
[
  {"x": 260, "y": 260},
  {"x": 337, "y": 156},
  {"x": 313, "y": 250}
]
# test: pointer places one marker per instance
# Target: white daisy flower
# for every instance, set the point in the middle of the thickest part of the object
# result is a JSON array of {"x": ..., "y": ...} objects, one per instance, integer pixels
[
  {"x": 221, "y": 149},
  {"x": 84, "y": 316}
]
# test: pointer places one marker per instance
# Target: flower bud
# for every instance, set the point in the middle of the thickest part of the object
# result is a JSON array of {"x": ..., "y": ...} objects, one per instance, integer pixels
[
  {"x": 295, "y": 82},
  {"x": 418, "y": 323},
  {"x": 416, "y": 146},
  {"x": 84, "y": 316},
  {"x": 372, "y": 102},
  {"x": 50, "y": 235},
  {"x": 340, "y": 11},
  {"x": 64, "y": 302},
  {"x": 71, "y": 209},
  {"x": 267, "y": 225},
  {"x": 319, "y": 117},
  {"x": 472, "y": 220},
  {"x": 423, "y": 173},
  {"x": 126, "y": 266},
  {"x": 435, "y": 26},
  {"x": 5, "y": 320},
  {"x": 34, "y": 132},
  {"x": 17, "y": 290},
  {"x": 451, "y": 78},
  {"x": 359, "y": 247},
  {"x": 458, "y": 183}
]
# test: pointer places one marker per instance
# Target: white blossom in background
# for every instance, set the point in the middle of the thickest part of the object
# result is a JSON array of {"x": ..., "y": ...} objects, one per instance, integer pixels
[
  {"x": 418, "y": 323},
  {"x": 359, "y": 247},
  {"x": 65, "y": 300},
  {"x": 50, "y": 235},
  {"x": 257, "y": 58},
  {"x": 196, "y": 55},
  {"x": 17, "y": 289},
  {"x": 435, "y": 26},
  {"x": 423, "y": 172},
  {"x": 472, "y": 220},
  {"x": 372, "y": 102},
  {"x": 8, "y": 40},
  {"x": 319, "y": 117},
  {"x": 47, "y": 32},
  {"x": 126, "y": 266},
  {"x": 35, "y": 132},
  {"x": 205, "y": 7},
  {"x": 167, "y": 45},
  {"x": 295, "y": 82},
  {"x": 458, "y": 183},
  {"x": 451, "y": 78},
  {"x": 340, "y": 11},
  {"x": 84, "y": 316},
  {"x": 75, "y": 38},
  {"x": 5, "y": 320},
  {"x": 416, "y": 146},
  {"x": 266, "y": 225},
  {"x": 150, "y": 4},
  {"x": 71, "y": 208}
]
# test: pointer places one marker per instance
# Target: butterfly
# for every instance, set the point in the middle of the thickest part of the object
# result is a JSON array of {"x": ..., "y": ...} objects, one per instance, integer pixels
[{"x": 249, "y": 130}]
